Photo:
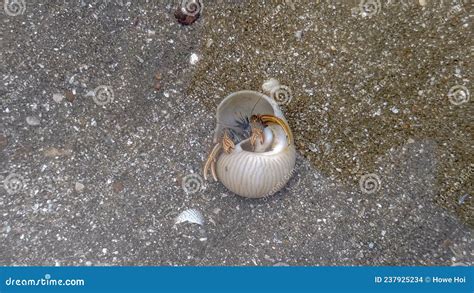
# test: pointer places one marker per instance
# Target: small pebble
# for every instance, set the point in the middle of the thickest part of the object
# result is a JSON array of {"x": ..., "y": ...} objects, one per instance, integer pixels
[
  {"x": 52, "y": 152},
  {"x": 70, "y": 97},
  {"x": 193, "y": 59},
  {"x": 462, "y": 199},
  {"x": 299, "y": 35},
  {"x": 117, "y": 186},
  {"x": 79, "y": 187},
  {"x": 58, "y": 98},
  {"x": 33, "y": 121}
]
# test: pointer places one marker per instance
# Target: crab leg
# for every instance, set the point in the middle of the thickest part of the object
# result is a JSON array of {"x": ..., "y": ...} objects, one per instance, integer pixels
[
  {"x": 227, "y": 143},
  {"x": 211, "y": 160},
  {"x": 213, "y": 170}
]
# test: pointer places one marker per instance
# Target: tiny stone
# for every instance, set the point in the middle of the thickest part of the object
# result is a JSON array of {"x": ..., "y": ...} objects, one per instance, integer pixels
[
  {"x": 371, "y": 245},
  {"x": 58, "y": 97},
  {"x": 79, "y": 187},
  {"x": 193, "y": 59},
  {"x": 313, "y": 148},
  {"x": 299, "y": 35},
  {"x": 462, "y": 199},
  {"x": 51, "y": 152},
  {"x": 33, "y": 121},
  {"x": 70, "y": 97},
  {"x": 117, "y": 186}
]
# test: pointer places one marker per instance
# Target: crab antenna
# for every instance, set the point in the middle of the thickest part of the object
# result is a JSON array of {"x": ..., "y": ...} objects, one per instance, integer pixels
[{"x": 258, "y": 101}]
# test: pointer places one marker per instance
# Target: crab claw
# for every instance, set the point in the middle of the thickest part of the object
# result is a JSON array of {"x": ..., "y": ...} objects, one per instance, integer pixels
[
  {"x": 257, "y": 133},
  {"x": 227, "y": 145},
  {"x": 273, "y": 119}
]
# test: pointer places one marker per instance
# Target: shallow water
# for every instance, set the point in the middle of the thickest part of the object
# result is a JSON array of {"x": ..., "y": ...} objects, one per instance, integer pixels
[{"x": 361, "y": 84}]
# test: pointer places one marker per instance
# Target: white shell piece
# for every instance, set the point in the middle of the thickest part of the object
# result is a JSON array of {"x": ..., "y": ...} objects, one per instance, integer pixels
[{"x": 191, "y": 216}]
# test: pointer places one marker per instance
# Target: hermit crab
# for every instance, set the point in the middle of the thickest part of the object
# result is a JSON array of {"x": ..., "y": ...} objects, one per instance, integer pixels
[{"x": 253, "y": 154}]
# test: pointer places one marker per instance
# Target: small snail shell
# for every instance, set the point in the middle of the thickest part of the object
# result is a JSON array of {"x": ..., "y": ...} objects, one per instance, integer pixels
[{"x": 255, "y": 172}]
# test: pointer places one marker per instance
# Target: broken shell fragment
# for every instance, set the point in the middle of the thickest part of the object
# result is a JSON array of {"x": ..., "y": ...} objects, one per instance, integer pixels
[{"x": 190, "y": 216}]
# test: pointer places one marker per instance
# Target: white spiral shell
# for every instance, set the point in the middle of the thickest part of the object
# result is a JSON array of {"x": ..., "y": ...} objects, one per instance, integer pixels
[{"x": 265, "y": 170}]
